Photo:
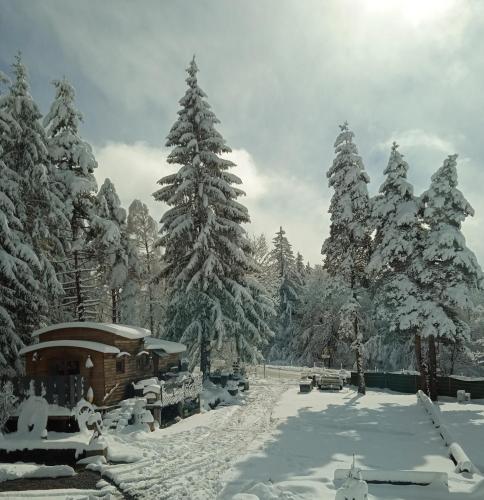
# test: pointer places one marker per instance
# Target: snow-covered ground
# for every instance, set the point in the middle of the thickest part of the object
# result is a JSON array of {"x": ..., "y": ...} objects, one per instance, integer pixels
[
  {"x": 273, "y": 442},
  {"x": 466, "y": 423},
  {"x": 318, "y": 432}
]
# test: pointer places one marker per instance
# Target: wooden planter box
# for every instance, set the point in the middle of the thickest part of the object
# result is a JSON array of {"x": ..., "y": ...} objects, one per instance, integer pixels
[{"x": 305, "y": 386}]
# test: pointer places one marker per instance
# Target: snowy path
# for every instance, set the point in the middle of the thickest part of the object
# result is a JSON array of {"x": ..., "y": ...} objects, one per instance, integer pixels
[{"x": 188, "y": 459}]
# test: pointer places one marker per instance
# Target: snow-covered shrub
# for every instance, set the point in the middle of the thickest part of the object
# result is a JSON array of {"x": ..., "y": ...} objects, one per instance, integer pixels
[{"x": 8, "y": 403}]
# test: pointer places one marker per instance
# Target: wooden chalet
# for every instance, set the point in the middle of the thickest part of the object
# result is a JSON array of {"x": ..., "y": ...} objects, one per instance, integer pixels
[{"x": 96, "y": 361}]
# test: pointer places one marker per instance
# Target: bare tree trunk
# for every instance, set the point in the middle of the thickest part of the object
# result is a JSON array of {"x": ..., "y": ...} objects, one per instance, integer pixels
[
  {"x": 453, "y": 357},
  {"x": 359, "y": 361},
  {"x": 150, "y": 289},
  {"x": 432, "y": 369},
  {"x": 79, "y": 297},
  {"x": 205, "y": 357},
  {"x": 114, "y": 306}
]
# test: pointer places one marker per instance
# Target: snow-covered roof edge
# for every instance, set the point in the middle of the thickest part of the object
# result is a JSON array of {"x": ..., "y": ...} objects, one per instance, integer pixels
[
  {"x": 152, "y": 343},
  {"x": 129, "y": 332},
  {"x": 80, "y": 344}
]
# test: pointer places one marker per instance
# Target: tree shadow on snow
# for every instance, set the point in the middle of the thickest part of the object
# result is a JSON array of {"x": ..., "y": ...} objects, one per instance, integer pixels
[{"x": 310, "y": 445}]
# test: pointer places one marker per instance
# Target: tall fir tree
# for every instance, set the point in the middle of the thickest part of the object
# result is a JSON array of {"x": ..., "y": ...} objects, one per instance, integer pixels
[
  {"x": 75, "y": 164},
  {"x": 19, "y": 266},
  {"x": 400, "y": 303},
  {"x": 346, "y": 250},
  {"x": 288, "y": 286},
  {"x": 213, "y": 299},
  {"x": 38, "y": 206},
  {"x": 300, "y": 267},
  {"x": 450, "y": 272},
  {"x": 113, "y": 247}
]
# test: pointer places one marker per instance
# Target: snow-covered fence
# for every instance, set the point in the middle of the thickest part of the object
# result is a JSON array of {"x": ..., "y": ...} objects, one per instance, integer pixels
[
  {"x": 290, "y": 372},
  {"x": 456, "y": 452},
  {"x": 409, "y": 383},
  {"x": 176, "y": 392},
  {"x": 61, "y": 390}
]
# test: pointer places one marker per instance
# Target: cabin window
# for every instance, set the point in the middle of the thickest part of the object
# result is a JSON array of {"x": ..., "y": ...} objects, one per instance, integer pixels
[
  {"x": 143, "y": 362},
  {"x": 120, "y": 365}
]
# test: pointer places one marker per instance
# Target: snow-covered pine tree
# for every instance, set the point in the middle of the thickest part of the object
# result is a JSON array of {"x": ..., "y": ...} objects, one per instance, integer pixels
[
  {"x": 213, "y": 299},
  {"x": 400, "y": 303},
  {"x": 143, "y": 232},
  {"x": 19, "y": 266},
  {"x": 38, "y": 207},
  {"x": 300, "y": 267},
  {"x": 346, "y": 250},
  {"x": 450, "y": 272},
  {"x": 288, "y": 284},
  {"x": 112, "y": 245},
  {"x": 75, "y": 164}
]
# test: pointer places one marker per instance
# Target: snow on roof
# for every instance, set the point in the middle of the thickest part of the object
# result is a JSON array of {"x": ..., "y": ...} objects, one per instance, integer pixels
[
  {"x": 169, "y": 347},
  {"x": 129, "y": 332},
  {"x": 80, "y": 344}
]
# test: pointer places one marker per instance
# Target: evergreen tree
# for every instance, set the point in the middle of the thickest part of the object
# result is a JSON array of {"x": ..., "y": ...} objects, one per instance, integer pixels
[
  {"x": 75, "y": 164},
  {"x": 112, "y": 244},
  {"x": 300, "y": 267},
  {"x": 19, "y": 286},
  {"x": 213, "y": 298},
  {"x": 400, "y": 302},
  {"x": 38, "y": 207},
  {"x": 346, "y": 250},
  {"x": 288, "y": 284},
  {"x": 450, "y": 272}
]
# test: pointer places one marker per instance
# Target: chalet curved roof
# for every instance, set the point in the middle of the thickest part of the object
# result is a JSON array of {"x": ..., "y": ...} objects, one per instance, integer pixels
[
  {"x": 129, "y": 332},
  {"x": 152, "y": 344},
  {"x": 79, "y": 344}
]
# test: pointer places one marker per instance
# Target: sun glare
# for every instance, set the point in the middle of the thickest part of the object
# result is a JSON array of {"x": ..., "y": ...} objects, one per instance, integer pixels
[{"x": 416, "y": 12}]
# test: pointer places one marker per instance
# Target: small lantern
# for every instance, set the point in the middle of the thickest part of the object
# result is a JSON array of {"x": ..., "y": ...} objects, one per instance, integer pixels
[{"x": 89, "y": 363}]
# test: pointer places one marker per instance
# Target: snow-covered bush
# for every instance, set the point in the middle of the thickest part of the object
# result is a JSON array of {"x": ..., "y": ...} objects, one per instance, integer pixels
[{"x": 8, "y": 403}]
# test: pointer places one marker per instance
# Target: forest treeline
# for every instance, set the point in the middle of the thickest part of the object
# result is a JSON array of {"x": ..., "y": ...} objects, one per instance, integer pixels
[{"x": 397, "y": 287}]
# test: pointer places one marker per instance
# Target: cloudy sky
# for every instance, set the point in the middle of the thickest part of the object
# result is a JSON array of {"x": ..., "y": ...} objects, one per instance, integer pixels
[{"x": 281, "y": 76}]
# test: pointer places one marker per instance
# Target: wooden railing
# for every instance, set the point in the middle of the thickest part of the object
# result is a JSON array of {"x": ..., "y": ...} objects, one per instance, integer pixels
[{"x": 61, "y": 390}]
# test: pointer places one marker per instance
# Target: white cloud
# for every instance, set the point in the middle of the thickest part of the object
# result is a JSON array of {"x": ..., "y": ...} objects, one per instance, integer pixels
[
  {"x": 272, "y": 201},
  {"x": 134, "y": 169},
  {"x": 415, "y": 138}
]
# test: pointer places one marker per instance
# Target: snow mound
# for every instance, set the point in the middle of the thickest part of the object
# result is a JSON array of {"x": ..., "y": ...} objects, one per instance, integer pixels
[
  {"x": 213, "y": 395},
  {"x": 20, "y": 470}
]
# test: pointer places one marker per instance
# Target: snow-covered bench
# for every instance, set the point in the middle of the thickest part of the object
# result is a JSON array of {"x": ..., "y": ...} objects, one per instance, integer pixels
[{"x": 329, "y": 381}]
